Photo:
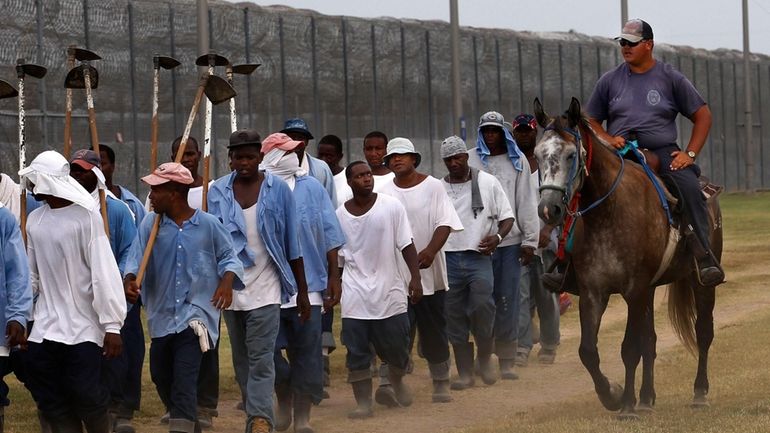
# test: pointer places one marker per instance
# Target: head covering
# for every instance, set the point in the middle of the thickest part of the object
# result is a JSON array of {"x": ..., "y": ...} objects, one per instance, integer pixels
[
  {"x": 493, "y": 118},
  {"x": 279, "y": 140},
  {"x": 169, "y": 172},
  {"x": 50, "y": 173},
  {"x": 244, "y": 137},
  {"x": 284, "y": 164},
  {"x": 297, "y": 125},
  {"x": 525, "y": 120},
  {"x": 452, "y": 146},
  {"x": 635, "y": 30},
  {"x": 401, "y": 146},
  {"x": 90, "y": 160}
]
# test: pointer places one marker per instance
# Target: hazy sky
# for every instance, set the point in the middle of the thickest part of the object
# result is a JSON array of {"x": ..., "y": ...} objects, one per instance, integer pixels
[{"x": 699, "y": 23}]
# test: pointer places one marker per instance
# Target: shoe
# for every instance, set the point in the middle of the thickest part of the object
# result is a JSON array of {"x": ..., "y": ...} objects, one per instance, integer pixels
[
  {"x": 522, "y": 359},
  {"x": 302, "y": 405},
  {"x": 258, "y": 425},
  {"x": 362, "y": 391},
  {"x": 710, "y": 275},
  {"x": 546, "y": 356},
  {"x": 386, "y": 396},
  {"x": 205, "y": 420},
  {"x": 506, "y": 369},
  {"x": 464, "y": 361},
  {"x": 164, "y": 419}
]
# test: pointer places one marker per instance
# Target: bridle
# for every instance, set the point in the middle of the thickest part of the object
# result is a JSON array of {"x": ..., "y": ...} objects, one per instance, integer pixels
[{"x": 578, "y": 170}]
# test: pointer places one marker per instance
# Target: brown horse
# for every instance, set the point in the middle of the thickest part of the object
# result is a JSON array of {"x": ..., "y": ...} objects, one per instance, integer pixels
[{"x": 622, "y": 244}]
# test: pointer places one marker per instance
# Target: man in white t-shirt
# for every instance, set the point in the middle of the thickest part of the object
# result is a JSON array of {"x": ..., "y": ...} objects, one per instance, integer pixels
[
  {"x": 374, "y": 287},
  {"x": 486, "y": 214},
  {"x": 431, "y": 217},
  {"x": 375, "y": 147}
]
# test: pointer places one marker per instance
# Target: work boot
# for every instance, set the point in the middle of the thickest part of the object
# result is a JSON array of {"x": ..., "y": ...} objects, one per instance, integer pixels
[
  {"x": 486, "y": 368},
  {"x": 327, "y": 371},
  {"x": 440, "y": 375},
  {"x": 522, "y": 358},
  {"x": 206, "y": 418},
  {"x": 45, "y": 426},
  {"x": 506, "y": 369},
  {"x": 362, "y": 391},
  {"x": 258, "y": 425},
  {"x": 283, "y": 408},
  {"x": 404, "y": 395},
  {"x": 709, "y": 272},
  {"x": 65, "y": 424},
  {"x": 302, "y": 405},
  {"x": 123, "y": 425},
  {"x": 386, "y": 396},
  {"x": 546, "y": 356},
  {"x": 464, "y": 360}
]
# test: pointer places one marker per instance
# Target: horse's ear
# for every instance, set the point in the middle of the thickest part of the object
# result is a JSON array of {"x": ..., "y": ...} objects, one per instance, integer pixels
[
  {"x": 540, "y": 115},
  {"x": 573, "y": 113}
]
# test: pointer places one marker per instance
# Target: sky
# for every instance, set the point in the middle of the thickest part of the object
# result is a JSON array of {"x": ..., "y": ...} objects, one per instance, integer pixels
[{"x": 706, "y": 24}]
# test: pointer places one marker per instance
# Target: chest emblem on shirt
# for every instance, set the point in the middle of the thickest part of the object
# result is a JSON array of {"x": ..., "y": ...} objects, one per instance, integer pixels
[{"x": 653, "y": 97}]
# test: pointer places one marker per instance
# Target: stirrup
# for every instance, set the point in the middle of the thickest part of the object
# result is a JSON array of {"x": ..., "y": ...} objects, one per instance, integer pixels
[{"x": 709, "y": 275}]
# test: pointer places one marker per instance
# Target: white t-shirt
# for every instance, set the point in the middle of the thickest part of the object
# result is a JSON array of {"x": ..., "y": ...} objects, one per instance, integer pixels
[
  {"x": 74, "y": 274},
  {"x": 496, "y": 209},
  {"x": 261, "y": 281},
  {"x": 428, "y": 207},
  {"x": 373, "y": 283},
  {"x": 345, "y": 194}
]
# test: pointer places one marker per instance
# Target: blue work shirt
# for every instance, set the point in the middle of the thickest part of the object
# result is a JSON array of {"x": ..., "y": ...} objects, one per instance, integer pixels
[
  {"x": 16, "y": 295},
  {"x": 319, "y": 230},
  {"x": 183, "y": 272},
  {"x": 136, "y": 205},
  {"x": 276, "y": 222},
  {"x": 321, "y": 171}
]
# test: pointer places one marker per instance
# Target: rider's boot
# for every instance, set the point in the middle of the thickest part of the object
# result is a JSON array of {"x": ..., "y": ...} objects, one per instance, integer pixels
[
  {"x": 710, "y": 272},
  {"x": 559, "y": 281}
]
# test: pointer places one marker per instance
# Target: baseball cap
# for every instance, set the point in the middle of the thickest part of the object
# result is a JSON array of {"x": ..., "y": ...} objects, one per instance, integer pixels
[
  {"x": 279, "y": 140},
  {"x": 452, "y": 146},
  {"x": 169, "y": 172},
  {"x": 86, "y": 159},
  {"x": 525, "y": 119},
  {"x": 635, "y": 30},
  {"x": 297, "y": 125},
  {"x": 401, "y": 146},
  {"x": 244, "y": 137}
]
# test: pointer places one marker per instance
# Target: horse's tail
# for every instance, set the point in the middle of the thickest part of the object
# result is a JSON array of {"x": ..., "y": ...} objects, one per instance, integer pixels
[{"x": 682, "y": 312}]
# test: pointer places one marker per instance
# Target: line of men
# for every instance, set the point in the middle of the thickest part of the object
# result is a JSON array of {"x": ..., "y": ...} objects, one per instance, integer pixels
[{"x": 275, "y": 252}]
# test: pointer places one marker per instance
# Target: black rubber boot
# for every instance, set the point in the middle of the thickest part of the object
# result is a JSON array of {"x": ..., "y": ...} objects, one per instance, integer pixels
[
  {"x": 486, "y": 368},
  {"x": 464, "y": 361},
  {"x": 283, "y": 410},
  {"x": 362, "y": 391}
]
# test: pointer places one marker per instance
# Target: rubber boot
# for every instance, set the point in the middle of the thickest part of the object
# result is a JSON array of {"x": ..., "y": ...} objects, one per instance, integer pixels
[
  {"x": 283, "y": 410},
  {"x": 45, "y": 426},
  {"x": 464, "y": 360},
  {"x": 181, "y": 425},
  {"x": 440, "y": 375},
  {"x": 65, "y": 424},
  {"x": 362, "y": 391},
  {"x": 384, "y": 394},
  {"x": 98, "y": 422},
  {"x": 506, "y": 369},
  {"x": 302, "y": 406},
  {"x": 486, "y": 368},
  {"x": 403, "y": 393}
]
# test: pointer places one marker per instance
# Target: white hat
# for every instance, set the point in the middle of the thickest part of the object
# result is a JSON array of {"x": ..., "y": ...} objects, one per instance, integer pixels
[
  {"x": 452, "y": 146},
  {"x": 401, "y": 146},
  {"x": 50, "y": 173}
]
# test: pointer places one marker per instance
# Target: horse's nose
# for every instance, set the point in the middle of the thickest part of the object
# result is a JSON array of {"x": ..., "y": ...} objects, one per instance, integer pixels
[{"x": 551, "y": 213}]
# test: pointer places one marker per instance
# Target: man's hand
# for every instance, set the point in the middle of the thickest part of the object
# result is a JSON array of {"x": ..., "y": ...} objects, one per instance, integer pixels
[
  {"x": 489, "y": 244},
  {"x": 525, "y": 256},
  {"x": 131, "y": 288},
  {"x": 15, "y": 335},
  {"x": 415, "y": 290},
  {"x": 333, "y": 294},
  {"x": 425, "y": 258},
  {"x": 681, "y": 160},
  {"x": 223, "y": 296},
  {"x": 545, "y": 236},
  {"x": 617, "y": 142},
  {"x": 113, "y": 346},
  {"x": 303, "y": 305}
]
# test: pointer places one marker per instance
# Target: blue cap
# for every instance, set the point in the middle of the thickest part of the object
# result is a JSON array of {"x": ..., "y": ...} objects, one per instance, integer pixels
[{"x": 296, "y": 124}]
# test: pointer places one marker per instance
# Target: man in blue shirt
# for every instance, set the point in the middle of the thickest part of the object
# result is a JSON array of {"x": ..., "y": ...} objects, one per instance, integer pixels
[
  {"x": 297, "y": 129},
  {"x": 258, "y": 210},
  {"x": 190, "y": 278},
  {"x": 107, "y": 157}
]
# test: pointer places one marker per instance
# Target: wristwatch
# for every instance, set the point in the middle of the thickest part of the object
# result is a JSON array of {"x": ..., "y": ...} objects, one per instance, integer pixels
[{"x": 691, "y": 154}]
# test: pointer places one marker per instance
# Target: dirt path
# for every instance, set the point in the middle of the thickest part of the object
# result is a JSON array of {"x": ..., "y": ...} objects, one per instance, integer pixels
[{"x": 539, "y": 385}]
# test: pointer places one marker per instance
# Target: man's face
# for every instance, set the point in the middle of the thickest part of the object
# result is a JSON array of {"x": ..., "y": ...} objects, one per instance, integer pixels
[
  {"x": 161, "y": 197},
  {"x": 86, "y": 178},
  {"x": 245, "y": 161},
  {"x": 638, "y": 54},
  {"x": 375, "y": 149},
  {"x": 457, "y": 165},
  {"x": 361, "y": 180},
  {"x": 493, "y": 135},
  {"x": 299, "y": 136},
  {"x": 525, "y": 137},
  {"x": 328, "y": 154},
  {"x": 191, "y": 157},
  {"x": 108, "y": 168},
  {"x": 402, "y": 163}
]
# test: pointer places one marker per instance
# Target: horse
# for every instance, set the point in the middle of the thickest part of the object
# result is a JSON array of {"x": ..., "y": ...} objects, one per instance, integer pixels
[{"x": 622, "y": 243}]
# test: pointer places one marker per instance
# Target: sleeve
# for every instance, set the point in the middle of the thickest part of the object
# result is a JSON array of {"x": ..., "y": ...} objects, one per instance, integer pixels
[
  {"x": 214, "y": 202},
  {"x": 34, "y": 277},
  {"x": 227, "y": 260},
  {"x": 17, "y": 277},
  {"x": 687, "y": 98},
  {"x": 332, "y": 230},
  {"x": 502, "y": 204},
  {"x": 329, "y": 185},
  {"x": 598, "y": 106},
  {"x": 402, "y": 229},
  {"x": 446, "y": 214},
  {"x": 526, "y": 209},
  {"x": 109, "y": 298},
  {"x": 136, "y": 250},
  {"x": 124, "y": 233}
]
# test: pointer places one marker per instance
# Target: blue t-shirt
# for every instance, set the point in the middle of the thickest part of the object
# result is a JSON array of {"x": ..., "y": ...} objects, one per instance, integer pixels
[{"x": 644, "y": 104}]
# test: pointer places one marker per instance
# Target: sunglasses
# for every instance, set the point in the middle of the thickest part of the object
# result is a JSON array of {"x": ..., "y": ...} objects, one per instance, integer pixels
[{"x": 625, "y": 43}]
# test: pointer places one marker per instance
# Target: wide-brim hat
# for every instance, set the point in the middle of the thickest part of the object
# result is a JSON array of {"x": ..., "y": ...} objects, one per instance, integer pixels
[{"x": 402, "y": 146}]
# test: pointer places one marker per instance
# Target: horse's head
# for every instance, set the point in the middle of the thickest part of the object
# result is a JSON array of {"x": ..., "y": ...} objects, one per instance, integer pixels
[{"x": 561, "y": 157}]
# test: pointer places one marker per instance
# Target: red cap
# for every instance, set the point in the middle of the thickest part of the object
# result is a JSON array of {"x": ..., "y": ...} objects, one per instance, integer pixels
[
  {"x": 279, "y": 140},
  {"x": 169, "y": 172}
]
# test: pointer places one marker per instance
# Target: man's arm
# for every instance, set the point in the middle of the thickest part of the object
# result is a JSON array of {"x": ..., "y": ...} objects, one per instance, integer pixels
[
  {"x": 701, "y": 120},
  {"x": 303, "y": 301},
  {"x": 333, "y": 286},
  {"x": 617, "y": 142},
  {"x": 409, "y": 253},
  {"x": 428, "y": 254},
  {"x": 490, "y": 243}
]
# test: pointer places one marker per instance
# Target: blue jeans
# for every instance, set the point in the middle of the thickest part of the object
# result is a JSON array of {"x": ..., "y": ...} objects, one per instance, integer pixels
[
  {"x": 470, "y": 307},
  {"x": 390, "y": 338},
  {"x": 175, "y": 362},
  {"x": 534, "y": 295},
  {"x": 252, "y": 338},
  {"x": 303, "y": 371},
  {"x": 507, "y": 272}
]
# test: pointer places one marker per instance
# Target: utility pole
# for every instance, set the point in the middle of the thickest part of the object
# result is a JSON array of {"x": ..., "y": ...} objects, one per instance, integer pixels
[
  {"x": 458, "y": 120},
  {"x": 623, "y": 12},
  {"x": 749, "y": 121}
]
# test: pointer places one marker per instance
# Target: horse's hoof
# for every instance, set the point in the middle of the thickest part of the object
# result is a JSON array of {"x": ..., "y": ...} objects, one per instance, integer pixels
[
  {"x": 627, "y": 416},
  {"x": 700, "y": 402},
  {"x": 613, "y": 400},
  {"x": 645, "y": 408}
]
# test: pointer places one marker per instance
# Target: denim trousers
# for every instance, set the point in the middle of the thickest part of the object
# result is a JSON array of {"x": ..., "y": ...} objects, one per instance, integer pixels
[
  {"x": 252, "y": 339},
  {"x": 302, "y": 369},
  {"x": 175, "y": 362},
  {"x": 123, "y": 375},
  {"x": 470, "y": 307},
  {"x": 507, "y": 272},
  {"x": 389, "y": 337},
  {"x": 535, "y": 296}
]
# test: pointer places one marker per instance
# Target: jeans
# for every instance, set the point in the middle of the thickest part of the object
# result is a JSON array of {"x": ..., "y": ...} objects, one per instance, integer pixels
[
  {"x": 470, "y": 307},
  {"x": 534, "y": 295},
  {"x": 252, "y": 338},
  {"x": 507, "y": 272},
  {"x": 303, "y": 371},
  {"x": 390, "y": 338},
  {"x": 123, "y": 375},
  {"x": 175, "y": 362}
]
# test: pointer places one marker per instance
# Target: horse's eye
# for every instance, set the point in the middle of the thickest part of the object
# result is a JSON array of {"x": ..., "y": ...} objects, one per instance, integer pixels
[{"x": 571, "y": 156}]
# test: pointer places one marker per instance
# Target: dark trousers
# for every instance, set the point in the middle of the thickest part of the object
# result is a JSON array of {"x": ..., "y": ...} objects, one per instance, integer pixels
[
  {"x": 65, "y": 380},
  {"x": 302, "y": 372},
  {"x": 175, "y": 362},
  {"x": 429, "y": 316},
  {"x": 208, "y": 380},
  {"x": 390, "y": 338},
  {"x": 123, "y": 375}
]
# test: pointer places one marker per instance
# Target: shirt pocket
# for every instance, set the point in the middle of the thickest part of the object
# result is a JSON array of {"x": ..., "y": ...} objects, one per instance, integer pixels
[{"x": 204, "y": 265}]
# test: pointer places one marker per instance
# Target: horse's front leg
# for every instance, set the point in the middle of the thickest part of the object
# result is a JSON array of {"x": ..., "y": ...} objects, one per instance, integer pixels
[
  {"x": 592, "y": 307},
  {"x": 704, "y": 334},
  {"x": 647, "y": 390},
  {"x": 631, "y": 350}
]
